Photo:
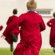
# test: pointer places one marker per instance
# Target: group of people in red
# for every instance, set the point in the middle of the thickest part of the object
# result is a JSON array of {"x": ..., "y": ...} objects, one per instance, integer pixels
[{"x": 31, "y": 25}]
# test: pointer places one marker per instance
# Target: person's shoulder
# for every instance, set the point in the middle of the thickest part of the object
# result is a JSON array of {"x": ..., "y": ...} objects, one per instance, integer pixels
[
  {"x": 10, "y": 16},
  {"x": 23, "y": 14},
  {"x": 15, "y": 16},
  {"x": 52, "y": 19},
  {"x": 38, "y": 15}
]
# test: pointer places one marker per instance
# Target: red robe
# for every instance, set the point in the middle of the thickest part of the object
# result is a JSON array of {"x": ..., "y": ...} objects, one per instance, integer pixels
[
  {"x": 15, "y": 30},
  {"x": 1, "y": 27},
  {"x": 31, "y": 26},
  {"x": 51, "y": 24}
]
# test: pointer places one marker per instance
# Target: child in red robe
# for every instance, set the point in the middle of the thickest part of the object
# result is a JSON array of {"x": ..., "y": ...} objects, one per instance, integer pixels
[
  {"x": 51, "y": 23},
  {"x": 31, "y": 24},
  {"x": 13, "y": 34}
]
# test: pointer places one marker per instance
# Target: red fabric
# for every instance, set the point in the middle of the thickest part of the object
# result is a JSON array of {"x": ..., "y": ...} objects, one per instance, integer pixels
[
  {"x": 15, "y": 30},
  {"x": 1, "y": 27},
  {"x": 51, "y": 23},
  {"x": 31, "y": 25}
]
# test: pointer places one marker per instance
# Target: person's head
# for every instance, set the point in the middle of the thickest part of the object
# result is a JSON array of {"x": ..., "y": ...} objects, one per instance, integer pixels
[
  {"x": 54, "y": 14},
  {"x": 31, "y": 5},
  {"x": 15, "y": 11}
]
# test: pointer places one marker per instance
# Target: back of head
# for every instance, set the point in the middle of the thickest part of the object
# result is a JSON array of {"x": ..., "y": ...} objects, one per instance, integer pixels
[
  {"x": 54, "y": 14},
  {"x": 15, "y": 11},
  {"x": 31, "y": 5}
]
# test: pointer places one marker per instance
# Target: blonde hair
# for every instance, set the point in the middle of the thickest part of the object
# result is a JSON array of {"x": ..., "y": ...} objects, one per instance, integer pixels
[{"x": 31, "y": 5}]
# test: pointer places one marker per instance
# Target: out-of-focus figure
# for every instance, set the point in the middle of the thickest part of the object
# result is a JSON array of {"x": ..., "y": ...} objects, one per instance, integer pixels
[
  {"x": 51, "y": 23},
  {"x": 13, "y": 34}
]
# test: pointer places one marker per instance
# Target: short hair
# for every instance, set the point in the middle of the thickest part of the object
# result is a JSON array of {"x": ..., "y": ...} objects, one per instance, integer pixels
[
  {"x": 15, "y": 11},
  {"x": 31, "y": 5},
  {"x": 54, "y": 14}
]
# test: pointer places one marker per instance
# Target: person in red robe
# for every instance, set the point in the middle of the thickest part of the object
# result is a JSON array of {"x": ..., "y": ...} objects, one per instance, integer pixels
[
  {"x": 15, "y": 30},
  {"x": 51, "y": 23},
  {"x": 32, "y": 25}
]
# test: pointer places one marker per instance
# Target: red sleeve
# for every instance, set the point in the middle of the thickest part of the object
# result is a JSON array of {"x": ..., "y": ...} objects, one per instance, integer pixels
[
  {"x": 42, "y": 25},
  {"x": 18, "y": 21},
  {"x": 49, "y": 23}
]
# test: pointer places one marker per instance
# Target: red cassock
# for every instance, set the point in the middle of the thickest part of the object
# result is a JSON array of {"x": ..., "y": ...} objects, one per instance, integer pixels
[
  {"x": 15, "y": 30},
  {"x": 51, "y": 24},
  {"x": 30, "y": 33},
  {"x": 1, "y": 27}
]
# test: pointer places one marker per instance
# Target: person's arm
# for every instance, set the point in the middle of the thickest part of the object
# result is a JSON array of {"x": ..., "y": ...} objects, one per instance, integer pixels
[
  {"x": 49, "y": 23},
  {"x": 42, "y": 25}
]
